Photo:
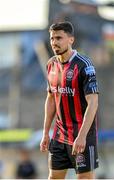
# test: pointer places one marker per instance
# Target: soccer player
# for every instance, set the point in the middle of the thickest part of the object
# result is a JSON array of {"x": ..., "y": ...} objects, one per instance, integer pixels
[{"x": 72, "y": 99}]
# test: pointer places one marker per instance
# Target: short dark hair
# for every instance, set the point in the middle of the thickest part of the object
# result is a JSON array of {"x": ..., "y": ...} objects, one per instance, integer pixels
[{"x": 66, "y": 26}]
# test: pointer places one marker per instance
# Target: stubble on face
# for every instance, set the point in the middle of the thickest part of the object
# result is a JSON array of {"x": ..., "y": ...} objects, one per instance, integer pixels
[{"x": 58, "y": 52}]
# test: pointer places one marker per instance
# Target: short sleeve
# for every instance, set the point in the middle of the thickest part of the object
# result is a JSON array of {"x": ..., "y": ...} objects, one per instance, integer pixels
[
  {"x": 49, "y": 66},
  {"x": 90, "y": 84}
]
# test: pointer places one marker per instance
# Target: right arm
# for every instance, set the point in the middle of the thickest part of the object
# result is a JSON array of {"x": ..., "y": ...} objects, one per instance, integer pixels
[{"x": 49, "y": 115}]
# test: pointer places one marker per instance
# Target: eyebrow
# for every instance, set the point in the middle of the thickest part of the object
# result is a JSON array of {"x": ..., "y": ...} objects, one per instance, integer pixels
[{"x": 58, "y": 36}]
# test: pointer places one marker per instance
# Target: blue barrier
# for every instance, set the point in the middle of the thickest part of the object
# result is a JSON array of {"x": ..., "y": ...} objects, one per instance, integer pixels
[{"x": 105, "y": 135}]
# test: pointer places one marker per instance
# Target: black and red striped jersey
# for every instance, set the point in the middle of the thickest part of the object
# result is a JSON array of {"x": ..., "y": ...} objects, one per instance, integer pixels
[{"x": 70, "y": 82}]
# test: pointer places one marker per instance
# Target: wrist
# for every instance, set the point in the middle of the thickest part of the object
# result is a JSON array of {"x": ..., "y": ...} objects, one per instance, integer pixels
[
  {"x": 82, "y": 134},
  {"x": 45, "y": 133}
]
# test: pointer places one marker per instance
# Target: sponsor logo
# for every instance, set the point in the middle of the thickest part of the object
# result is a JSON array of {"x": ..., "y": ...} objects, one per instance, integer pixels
[
  {"x": 80, "y": 160},
  {"x": 63, "y": 90},
  {"x": 90, "y": 70},
  {"x": 93, "y": 85},
  {"x": 69, "y": 74},
  {"x": 92, "y": 78}
]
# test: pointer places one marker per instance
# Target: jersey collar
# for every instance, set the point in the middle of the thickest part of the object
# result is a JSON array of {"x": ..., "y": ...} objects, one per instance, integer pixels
[
  {"x": 71, "y": 58},
  {"x": 73, "y": 55}
]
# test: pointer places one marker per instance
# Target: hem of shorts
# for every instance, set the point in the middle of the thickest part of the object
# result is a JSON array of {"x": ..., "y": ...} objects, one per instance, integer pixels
[
  {"x": 84, "y": 171},
  {"x": 62, "y": 168},
  {"x": 77, "y": 172}
]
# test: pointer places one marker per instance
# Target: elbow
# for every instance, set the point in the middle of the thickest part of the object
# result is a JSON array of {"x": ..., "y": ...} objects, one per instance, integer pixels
[{"x": 94, "y": 102}]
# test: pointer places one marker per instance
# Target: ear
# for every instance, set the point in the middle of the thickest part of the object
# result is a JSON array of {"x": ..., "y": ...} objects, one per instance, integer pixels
[{"x": 71, "y": 40}]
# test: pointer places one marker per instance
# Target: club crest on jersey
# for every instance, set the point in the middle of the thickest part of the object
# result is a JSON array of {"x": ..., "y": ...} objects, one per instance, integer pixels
[{"x": 69, "y": 75}]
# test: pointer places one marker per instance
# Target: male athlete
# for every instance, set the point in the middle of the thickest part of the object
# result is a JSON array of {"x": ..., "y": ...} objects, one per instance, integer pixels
[{"x": 73, "y": 98}]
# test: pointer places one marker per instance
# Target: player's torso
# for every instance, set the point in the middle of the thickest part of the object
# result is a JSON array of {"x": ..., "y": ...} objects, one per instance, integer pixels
[
  {"x": 65, "y": 83},
  {"x": 64, "y": 78}
]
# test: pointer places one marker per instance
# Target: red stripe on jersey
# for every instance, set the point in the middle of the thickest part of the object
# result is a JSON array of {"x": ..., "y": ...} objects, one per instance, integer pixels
[
  {"x": 68, "y": 119},
  {"x": 54, "y": 83},
  {"x": 59, "y": 121},
  {"x": 57, "y": 95},
  {"x": 77, "y": 103},
  {"x": 57, "y": 100}
]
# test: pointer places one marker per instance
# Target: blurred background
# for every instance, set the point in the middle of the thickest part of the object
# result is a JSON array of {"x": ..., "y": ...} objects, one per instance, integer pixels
[{"x": 24, "y": 52}]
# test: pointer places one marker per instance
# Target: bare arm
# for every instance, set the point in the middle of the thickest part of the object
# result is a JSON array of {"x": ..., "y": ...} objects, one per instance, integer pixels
[
  {"x": 92, "y": 105},
  {"x": 49, "y": 112},
  {"x": 92, "y": 101},
  {"x": 49, "y": 115}
]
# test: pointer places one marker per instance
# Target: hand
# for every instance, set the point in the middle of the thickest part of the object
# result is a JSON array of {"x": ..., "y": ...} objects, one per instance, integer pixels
[
  {"x": 79, "y": 145},
  {"x": 44, "y": 143}
]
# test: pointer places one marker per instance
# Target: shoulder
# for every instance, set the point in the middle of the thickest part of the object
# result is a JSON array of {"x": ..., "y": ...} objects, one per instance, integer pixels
[
  {"x": 51, "y": 61},
  {"x": 87, "y": 66},
  {"x": 84, "y": 60}
]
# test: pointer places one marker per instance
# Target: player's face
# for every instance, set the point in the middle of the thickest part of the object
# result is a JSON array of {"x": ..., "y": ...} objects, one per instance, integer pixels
[{"x": 60, "y": 41}]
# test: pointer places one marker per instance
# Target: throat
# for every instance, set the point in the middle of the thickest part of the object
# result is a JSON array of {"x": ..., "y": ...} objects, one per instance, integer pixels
[
  {"x": 65, "y": 62},
  {"x": 65, "y": 58}
]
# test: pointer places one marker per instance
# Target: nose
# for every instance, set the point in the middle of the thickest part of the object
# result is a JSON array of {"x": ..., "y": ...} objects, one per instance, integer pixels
[{"x": 54, "y": 41}]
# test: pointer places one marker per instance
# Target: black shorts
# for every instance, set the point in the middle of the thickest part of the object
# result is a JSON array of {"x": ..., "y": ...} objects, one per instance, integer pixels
[{"x": 60, "y": 157}]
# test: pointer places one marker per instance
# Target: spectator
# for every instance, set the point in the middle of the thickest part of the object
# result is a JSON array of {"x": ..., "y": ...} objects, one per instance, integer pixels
[{"x": 25, "y": 168}]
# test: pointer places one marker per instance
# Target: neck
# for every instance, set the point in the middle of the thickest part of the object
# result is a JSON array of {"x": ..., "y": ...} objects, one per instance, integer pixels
[{"x": 65, "y": 57}]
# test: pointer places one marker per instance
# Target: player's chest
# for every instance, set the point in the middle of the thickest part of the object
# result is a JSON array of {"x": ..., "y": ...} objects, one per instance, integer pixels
[{"x": 63, "y": 75}]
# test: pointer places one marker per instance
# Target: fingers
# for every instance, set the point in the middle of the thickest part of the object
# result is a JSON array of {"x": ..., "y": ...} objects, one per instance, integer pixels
[
  {"x": 74, "y": 150},
  {"x": 77, "y": 149},
  {"x": 81, "y": 149},
  {"x": 44, "y": 143},
  {"x": 44, "y": 146}
]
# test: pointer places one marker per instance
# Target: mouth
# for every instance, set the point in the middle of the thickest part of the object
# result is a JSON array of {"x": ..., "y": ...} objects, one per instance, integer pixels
[
  {"x": 56, "y": 47},
  {"x": 56, "y": 50}
]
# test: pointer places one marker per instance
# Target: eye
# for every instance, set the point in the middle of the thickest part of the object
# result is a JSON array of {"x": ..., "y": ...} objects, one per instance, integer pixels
[
  {"x": 58, "y": 38},
  {"x": 51, "y": 39}
]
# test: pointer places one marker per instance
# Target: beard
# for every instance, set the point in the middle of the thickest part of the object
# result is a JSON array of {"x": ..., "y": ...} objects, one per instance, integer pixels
[{"x": 58, "y": 52}]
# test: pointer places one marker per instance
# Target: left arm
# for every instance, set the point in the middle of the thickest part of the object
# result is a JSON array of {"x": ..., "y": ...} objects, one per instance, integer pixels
[{"x": 80, "y": 141}]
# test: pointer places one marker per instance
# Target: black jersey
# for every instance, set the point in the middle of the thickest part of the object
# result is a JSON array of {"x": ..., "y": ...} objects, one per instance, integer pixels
[{"x": 70, "y": 83}]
